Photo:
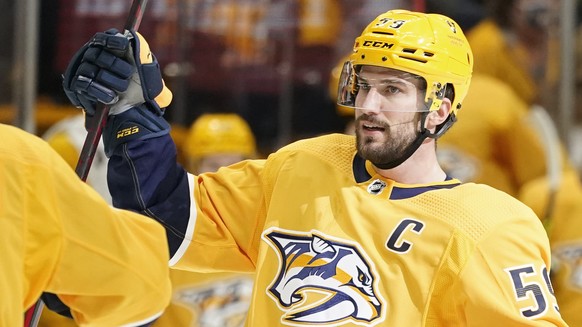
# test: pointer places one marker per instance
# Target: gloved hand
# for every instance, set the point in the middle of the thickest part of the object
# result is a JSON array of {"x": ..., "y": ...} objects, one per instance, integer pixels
[{"x": 119, "y": 70}]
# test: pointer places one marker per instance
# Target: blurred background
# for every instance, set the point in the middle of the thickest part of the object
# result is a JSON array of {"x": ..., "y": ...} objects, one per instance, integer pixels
[{"x": 267, "y": 60}]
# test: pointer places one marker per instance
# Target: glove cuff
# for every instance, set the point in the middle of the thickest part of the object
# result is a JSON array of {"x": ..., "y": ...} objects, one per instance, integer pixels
[
  {"x": 137, "y": 123},
  {"x": 155, "y": 93}
]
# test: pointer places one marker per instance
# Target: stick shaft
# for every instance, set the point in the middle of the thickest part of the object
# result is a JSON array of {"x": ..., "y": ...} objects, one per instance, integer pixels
[{"x": 96, "y": 123}]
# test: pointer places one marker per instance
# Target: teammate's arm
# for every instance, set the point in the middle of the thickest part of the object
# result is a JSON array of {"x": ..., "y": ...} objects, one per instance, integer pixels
[{"x": 107, "y": 265}]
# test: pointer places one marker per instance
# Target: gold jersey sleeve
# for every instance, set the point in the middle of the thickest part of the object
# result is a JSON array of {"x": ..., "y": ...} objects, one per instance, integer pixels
[
  {"x": 334, "y": 243},
  {"x": 565, "y": 233},
  {"x": 58, "y": 235}
]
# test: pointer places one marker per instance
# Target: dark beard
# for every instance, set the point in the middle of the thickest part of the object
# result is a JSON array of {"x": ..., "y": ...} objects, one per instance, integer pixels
[{"x": 401, "y": 136}]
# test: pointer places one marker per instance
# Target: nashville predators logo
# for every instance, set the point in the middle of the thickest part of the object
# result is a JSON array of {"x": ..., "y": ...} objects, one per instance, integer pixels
[
  {"x": 570, "y": 256},
  {"x": 220, "y": 303},
  {"x": 321, "y": 281}
]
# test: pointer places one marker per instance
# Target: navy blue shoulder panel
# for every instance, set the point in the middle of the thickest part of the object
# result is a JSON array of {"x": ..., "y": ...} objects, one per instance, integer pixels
[
  {"x": 399, "y": 193},
  {"x": 144, "y": 176},
  {"x": 359, "y": 169}
]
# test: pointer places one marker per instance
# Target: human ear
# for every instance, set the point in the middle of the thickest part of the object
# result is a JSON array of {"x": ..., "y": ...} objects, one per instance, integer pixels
[{"x": 437, "y": 117}]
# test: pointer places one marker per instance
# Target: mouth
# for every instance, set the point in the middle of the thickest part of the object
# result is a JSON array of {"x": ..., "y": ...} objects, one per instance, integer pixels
[{"x": 372, "y": 127}]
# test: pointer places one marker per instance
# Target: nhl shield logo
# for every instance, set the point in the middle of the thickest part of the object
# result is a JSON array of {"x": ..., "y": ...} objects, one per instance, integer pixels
[{"x": 376, "y": 187}]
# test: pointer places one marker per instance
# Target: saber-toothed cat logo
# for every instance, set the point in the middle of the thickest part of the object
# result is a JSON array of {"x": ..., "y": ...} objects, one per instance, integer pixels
[
  {"x": 217, "y": 303},
  {"x": 323, "y": 281}
]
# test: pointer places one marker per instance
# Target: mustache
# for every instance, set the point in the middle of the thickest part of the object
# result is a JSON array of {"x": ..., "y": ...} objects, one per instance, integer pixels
[{"x": 386, "y": 125}]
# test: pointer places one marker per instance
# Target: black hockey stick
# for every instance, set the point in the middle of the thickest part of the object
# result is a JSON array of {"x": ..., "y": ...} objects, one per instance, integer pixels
[
  {"x": 96, "y": 123},
  {"x": 94, "y": 126}
]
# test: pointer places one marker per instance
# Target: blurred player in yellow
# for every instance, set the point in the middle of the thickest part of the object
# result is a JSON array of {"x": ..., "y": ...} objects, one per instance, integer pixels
[
  {"x": 513, "y": 44},
  {"x": 218, "y": 140},
  {"x": 495, "y": 144},
  {"x": 212, "y": 299},
  {"x": 565, "y": 238},
  {"x": 107, "y": 265},
  {"x": 339, "y": 230}
]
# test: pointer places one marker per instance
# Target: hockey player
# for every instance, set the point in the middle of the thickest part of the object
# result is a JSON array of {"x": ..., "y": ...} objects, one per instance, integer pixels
[
  {"x": 218, "y": 140},
  {"x": 513, "y": 44},
  {"x": 499, "y": 146},
  {"x": 338, "y": 230},
  {"x": 213, "y": 299},
  {"x": 58, "y": 235}
]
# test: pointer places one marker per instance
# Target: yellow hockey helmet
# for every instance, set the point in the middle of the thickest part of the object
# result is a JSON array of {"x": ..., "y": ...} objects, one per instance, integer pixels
[
  {"x": 431, "y": 46},
  {"x": 219, "y": 134}
]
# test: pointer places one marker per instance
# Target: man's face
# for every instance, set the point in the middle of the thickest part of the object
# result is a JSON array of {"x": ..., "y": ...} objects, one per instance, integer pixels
[{"x": 387, "y": 113}]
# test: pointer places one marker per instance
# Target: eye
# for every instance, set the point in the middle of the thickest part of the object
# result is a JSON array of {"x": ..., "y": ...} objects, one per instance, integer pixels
[
  {"x": 363, "y": 86},
  {"x": 391, "y": 90},
  {"x": 362, "y": 278}
]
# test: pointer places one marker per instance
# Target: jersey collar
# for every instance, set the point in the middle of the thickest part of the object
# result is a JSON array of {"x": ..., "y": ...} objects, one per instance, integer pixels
[{"x": 399, "y": 191}]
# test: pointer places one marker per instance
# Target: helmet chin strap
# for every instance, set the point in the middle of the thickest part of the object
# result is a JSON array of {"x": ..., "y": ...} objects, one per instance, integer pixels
[{"x": 420, "y": 137}]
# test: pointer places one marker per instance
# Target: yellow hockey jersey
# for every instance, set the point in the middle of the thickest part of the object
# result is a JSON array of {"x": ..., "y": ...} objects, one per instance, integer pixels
[
  {"x": 67, "y": 138},
  {"x": 333, "y": 243},
  {"x": 109, "y": 266},
  {"x": 498, "y": 146},
  {"x": 210, "y": 299},
  {"x": 565, "y": 232}
]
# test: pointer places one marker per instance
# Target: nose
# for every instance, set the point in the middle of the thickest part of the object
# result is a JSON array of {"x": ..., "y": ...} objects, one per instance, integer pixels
[{"x": 372, "y": 102}]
